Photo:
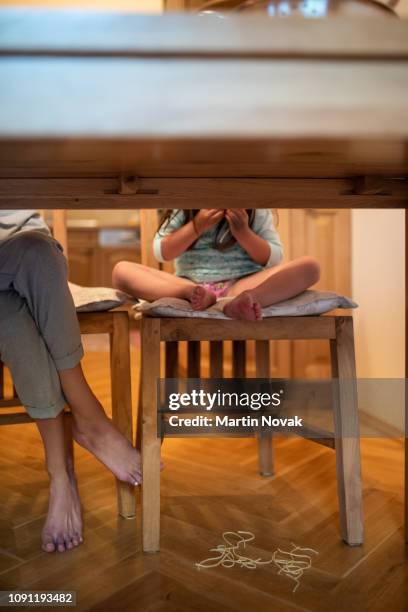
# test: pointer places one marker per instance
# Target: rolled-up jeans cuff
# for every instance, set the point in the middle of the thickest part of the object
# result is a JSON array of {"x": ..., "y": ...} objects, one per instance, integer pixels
[
  {"x": 47, "y": 412},
  {"x": 69, "y": 361}
]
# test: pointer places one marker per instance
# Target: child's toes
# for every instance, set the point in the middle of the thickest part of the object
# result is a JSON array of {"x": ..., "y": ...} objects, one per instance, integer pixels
[
  {"x": 196, "y": 298},
  {"x": 257, "y": 311}
]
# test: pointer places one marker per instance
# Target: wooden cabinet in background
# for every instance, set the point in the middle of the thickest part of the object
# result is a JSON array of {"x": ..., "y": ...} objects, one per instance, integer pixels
[
  {"x": 326, "y": 235},
  {"x": 90, "y": 262},
  {"x": 82, "y": 247}
]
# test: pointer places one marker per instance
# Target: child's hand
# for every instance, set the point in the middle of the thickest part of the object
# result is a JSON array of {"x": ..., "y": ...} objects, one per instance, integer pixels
[
  {"x": 206, "y": 218},
  {"x": 238, "y": 221}
]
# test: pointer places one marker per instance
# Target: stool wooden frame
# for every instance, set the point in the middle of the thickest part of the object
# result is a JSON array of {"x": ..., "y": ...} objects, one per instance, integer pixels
[{"x": 338, "y": 330}]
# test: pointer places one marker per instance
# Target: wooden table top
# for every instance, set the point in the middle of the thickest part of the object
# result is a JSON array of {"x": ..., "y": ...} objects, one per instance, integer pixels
[{"x": 97, "y": 94}]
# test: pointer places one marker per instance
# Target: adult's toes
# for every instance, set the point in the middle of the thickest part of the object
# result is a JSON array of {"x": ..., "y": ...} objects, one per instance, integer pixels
[
  {"x": 133, "y": 478},
  {"x": 136, "y": 479},
  {"x": 68, "y": 543},
  {"x": 48, "y": 545},
  {"x": 60, "y": 544}
]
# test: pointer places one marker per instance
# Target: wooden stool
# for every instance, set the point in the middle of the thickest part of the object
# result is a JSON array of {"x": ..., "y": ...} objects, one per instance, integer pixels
[{"x": 337, "y": 329}]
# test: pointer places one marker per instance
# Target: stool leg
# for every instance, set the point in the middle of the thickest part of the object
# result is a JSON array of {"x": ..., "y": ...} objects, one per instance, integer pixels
[
  {"x": 265, "y": 448},
  {"x": 172, "y": 359},
  {"x": 171, "y": 371},
  {"x": 216, "y": 359},
  {"x": 150, "y": 441},
  {"x": 238, "y": 358},
  {"x": 1, "y": 380},
  {"x": 406, "y": 376},
  {"x": 347, "y": 437},
  {"x": 193, "y": 359},
  {"x": 121, "y": 400}
]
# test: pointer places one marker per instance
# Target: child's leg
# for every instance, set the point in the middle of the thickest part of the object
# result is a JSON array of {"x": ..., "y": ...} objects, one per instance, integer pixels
[
  {"x": 150, "y": 284},
  {"x": 63, "y": 526},
  {"x": 271, "y": 286}
]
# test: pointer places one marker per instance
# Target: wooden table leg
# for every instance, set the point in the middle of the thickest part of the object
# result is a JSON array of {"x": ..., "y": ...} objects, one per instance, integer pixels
[{"x": 150, "y": 441}]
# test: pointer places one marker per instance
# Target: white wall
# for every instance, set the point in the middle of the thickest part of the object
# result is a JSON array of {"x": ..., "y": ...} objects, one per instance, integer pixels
[{"x": 378, "y": 286}]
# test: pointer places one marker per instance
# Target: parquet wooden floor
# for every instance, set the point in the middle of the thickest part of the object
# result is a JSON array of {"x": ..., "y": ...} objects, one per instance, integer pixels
[{"x": 209, "y": 486}]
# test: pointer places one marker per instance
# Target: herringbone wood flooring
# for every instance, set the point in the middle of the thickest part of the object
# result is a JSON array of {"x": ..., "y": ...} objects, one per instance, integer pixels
[{"x": 209, "y": 486}]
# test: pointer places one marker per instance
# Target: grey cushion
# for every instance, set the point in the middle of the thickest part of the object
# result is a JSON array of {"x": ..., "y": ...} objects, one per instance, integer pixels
[
  {"x": 309, "y": 302},
  {"x": 94, "y": 299}
]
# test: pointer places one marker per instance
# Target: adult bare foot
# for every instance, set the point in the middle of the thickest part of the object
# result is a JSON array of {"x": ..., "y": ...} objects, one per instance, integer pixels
[
  {"x": 201, "y": 298},
  {"x": 244, "y": 306},
  {"x": 93, "y": 430},
  {"x": 99, "y": 436},
  {"x": 62, "y": 530}
]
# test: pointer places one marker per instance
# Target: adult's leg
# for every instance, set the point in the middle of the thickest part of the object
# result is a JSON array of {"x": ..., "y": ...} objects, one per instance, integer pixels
[
  {"x": 63, "y": 527},
  {"x": 93, "y": 430},
  {"x": 270, "y": 287},
  {"x": 35, "y": 377},
  {"x": 44, "y": 391},
  {"x": 33, "y": 265},
  {"x": 151, "y": 284}
]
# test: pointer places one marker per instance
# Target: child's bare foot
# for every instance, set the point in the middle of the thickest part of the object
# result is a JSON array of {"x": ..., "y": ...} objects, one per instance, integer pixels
[
  {"x": 201, "y": 298},
  {"x": 243, "y": 307},
  {"x": 63, "y": 527},
  {"x": 102, "y": 439}
]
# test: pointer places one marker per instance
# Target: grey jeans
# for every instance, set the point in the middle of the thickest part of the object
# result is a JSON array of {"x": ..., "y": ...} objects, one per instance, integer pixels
[{"x": 39, "y": 331}]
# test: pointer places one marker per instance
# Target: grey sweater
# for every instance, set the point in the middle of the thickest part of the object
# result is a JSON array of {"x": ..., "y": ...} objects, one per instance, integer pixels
[{"x": 14, "y": 221}]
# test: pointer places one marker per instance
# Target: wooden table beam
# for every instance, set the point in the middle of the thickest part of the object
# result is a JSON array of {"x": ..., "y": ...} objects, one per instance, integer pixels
[{"x": 74, "y": 193}]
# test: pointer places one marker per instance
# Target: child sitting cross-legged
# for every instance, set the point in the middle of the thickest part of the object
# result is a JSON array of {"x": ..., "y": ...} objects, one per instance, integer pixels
[{"x": 233, "y": 253}]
